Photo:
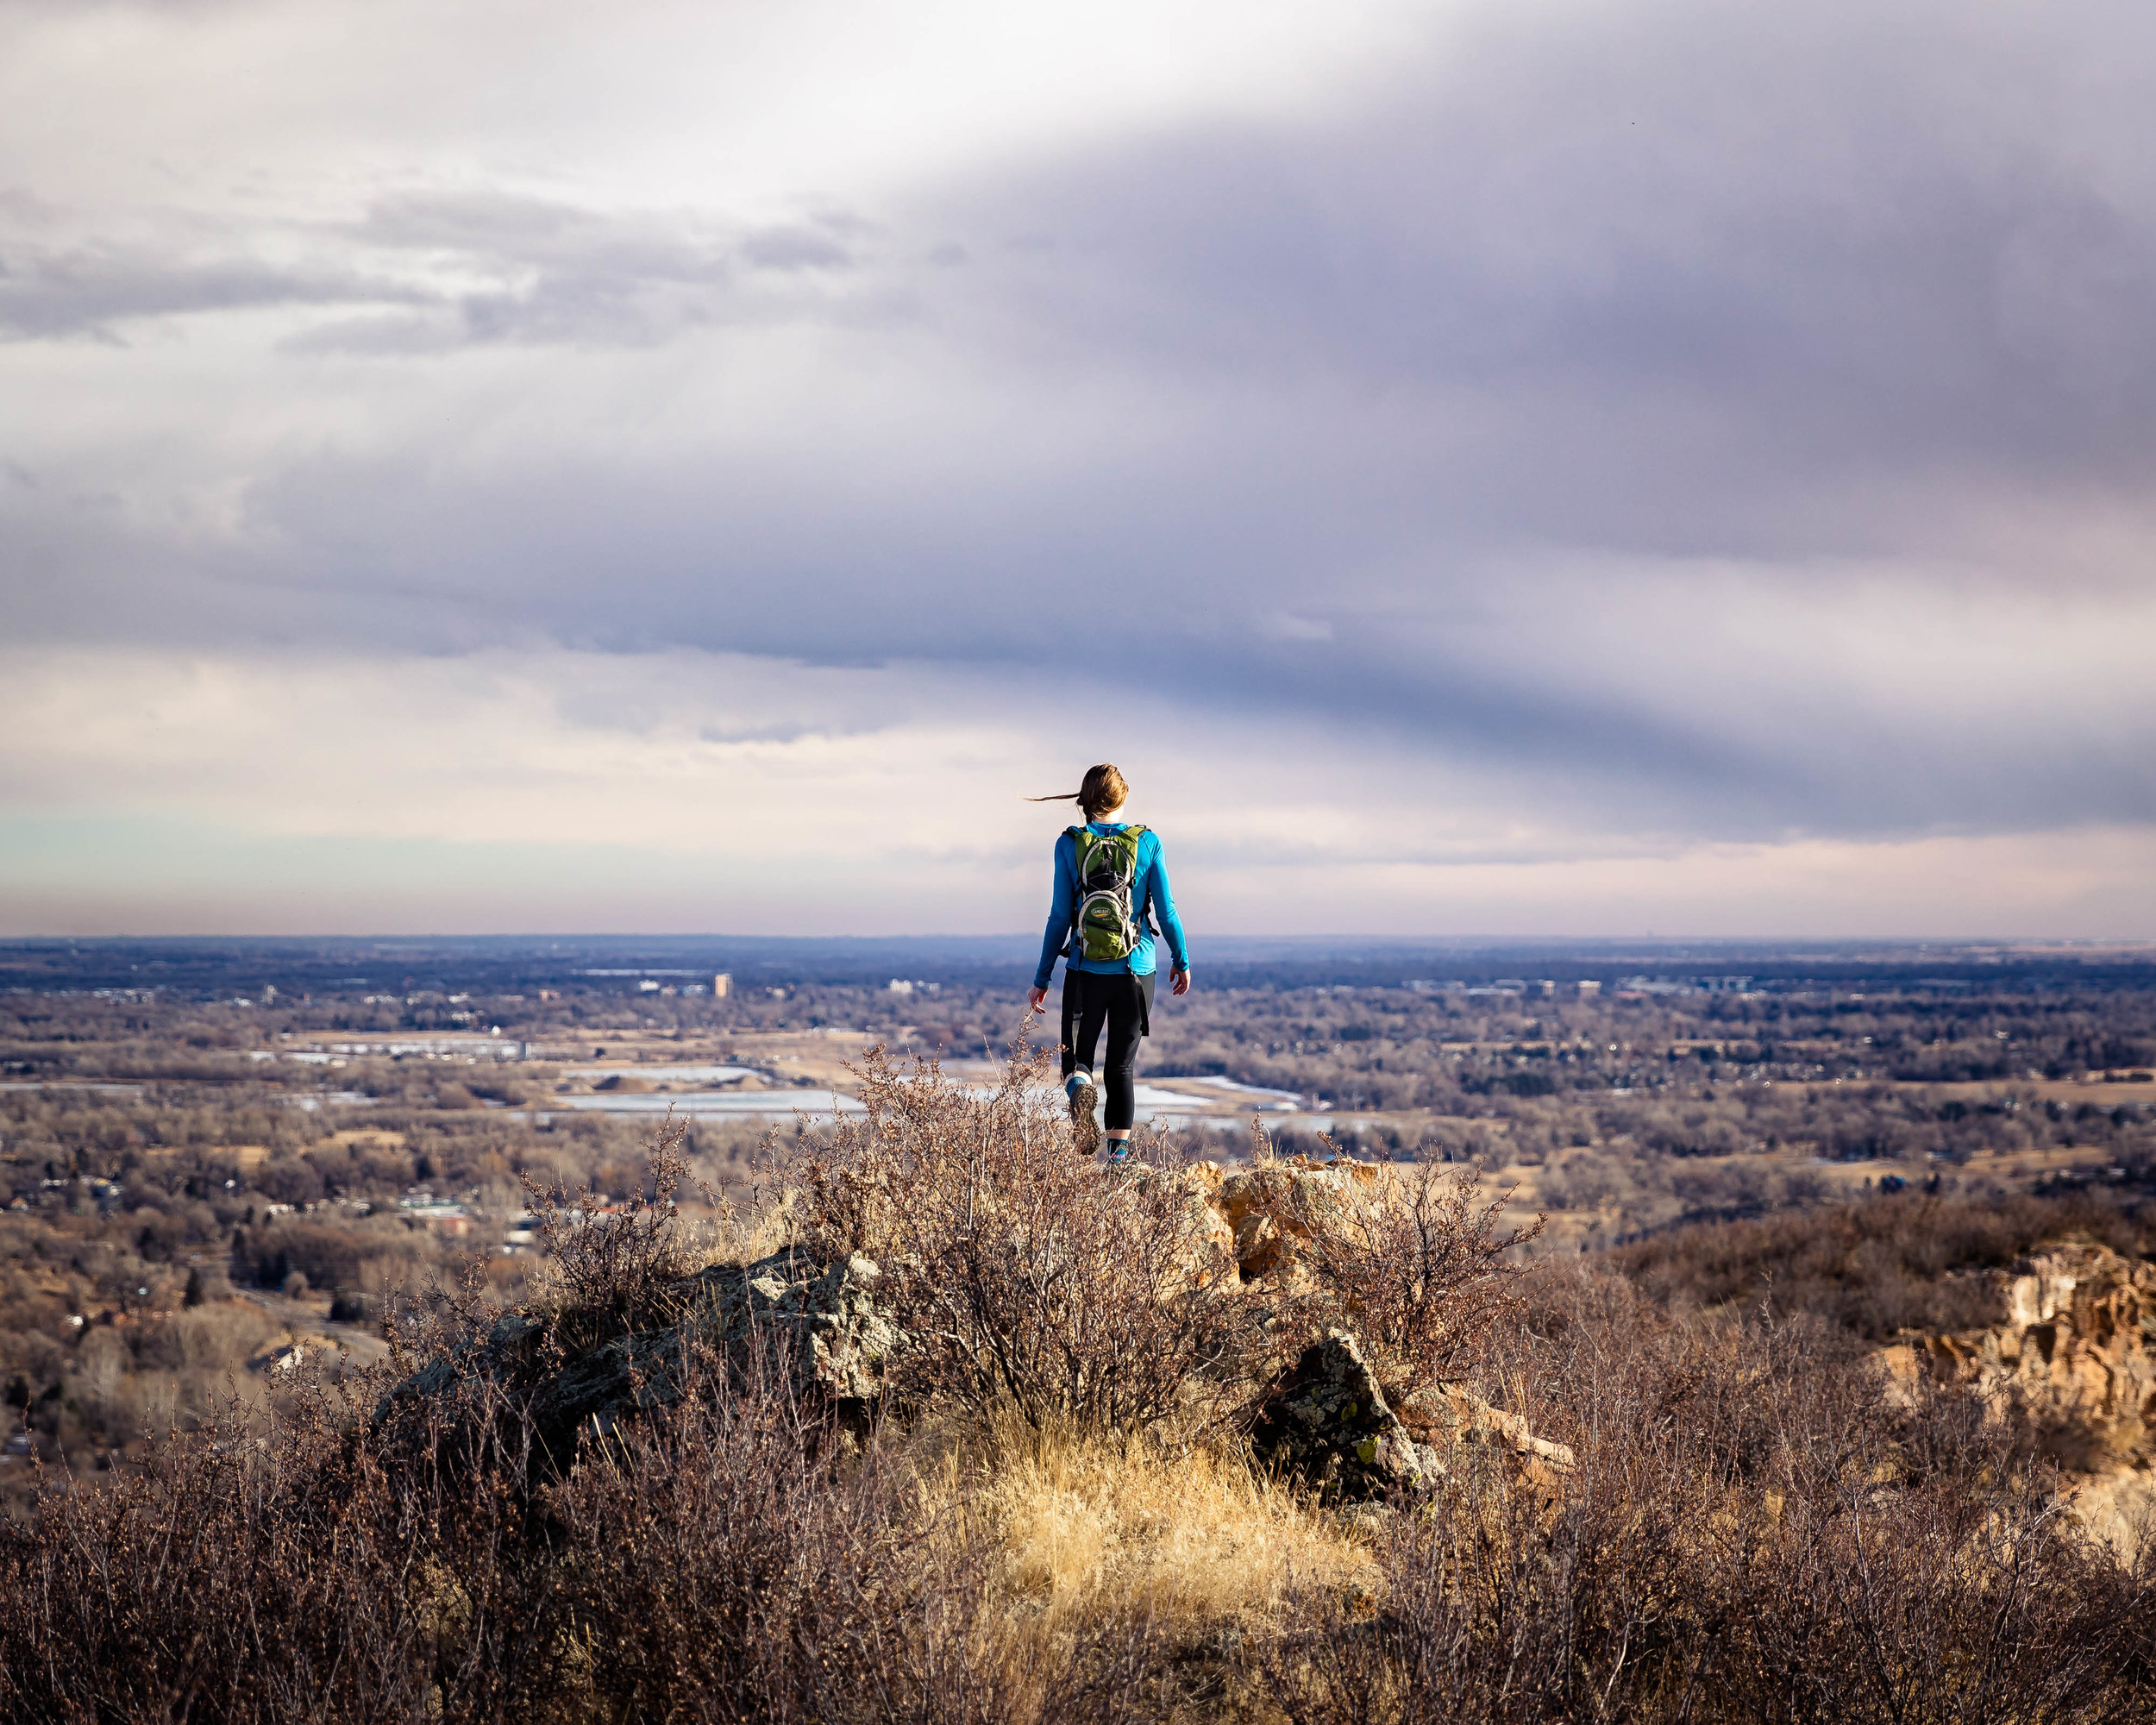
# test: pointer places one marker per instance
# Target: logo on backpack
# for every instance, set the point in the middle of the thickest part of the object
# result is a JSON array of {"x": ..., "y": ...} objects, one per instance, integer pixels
[{"x": 1106, "y": 925}]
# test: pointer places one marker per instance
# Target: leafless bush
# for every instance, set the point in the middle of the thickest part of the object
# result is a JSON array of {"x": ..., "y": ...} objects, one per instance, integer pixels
[
  {"x": 1753, "y": 1532},
  {"x": 1024, "y": 1274},
  {"x": 609, "y": 1264},
  {"x": 716, "y": 1563},
  {"x": 1415, "y": 1259},
  {"x": 722, "y": 1571},
  {"x": 1878, "y": 1267}
]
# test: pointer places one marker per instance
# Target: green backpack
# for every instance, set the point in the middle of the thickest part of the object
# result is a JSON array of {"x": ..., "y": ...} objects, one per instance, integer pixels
[{"x": 1104, "y": 925}]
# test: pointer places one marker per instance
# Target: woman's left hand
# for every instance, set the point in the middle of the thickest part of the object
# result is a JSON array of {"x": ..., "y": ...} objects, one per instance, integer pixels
[{"x": 1038, "y": 997}]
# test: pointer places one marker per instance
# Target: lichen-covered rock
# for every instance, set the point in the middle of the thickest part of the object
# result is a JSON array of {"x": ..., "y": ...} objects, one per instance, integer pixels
[
  {"x": 817, "y": 1323},
  {"x": 1328, "y": 1423},
  {"x": 822, "y": 1318}
]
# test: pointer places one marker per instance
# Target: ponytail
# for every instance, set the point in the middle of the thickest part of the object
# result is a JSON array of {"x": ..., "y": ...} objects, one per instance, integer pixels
[{"x": 1102, "y": 792}]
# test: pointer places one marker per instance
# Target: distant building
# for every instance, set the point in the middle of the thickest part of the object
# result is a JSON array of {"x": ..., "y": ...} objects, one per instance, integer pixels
[
  {"x": 722, "y": 985},
  {"x": 1589, "y": 989}
]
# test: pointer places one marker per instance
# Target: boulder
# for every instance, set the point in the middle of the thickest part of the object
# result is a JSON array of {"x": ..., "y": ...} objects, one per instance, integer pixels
[
  {"x": 817, "y": 1323},
  {"x": 1266, "y": 1207},
  {"x": 1328, "y": 1423}
]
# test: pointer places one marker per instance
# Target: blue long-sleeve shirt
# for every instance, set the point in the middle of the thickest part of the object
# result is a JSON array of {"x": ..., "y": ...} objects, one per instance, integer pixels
[{"x": 1149, "y": 894}]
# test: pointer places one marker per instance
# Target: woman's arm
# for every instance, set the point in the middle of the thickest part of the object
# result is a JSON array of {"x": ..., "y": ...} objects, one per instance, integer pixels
[
  {"x": 1171, "y": 925},
  {"x": 1057, "y": 934}
]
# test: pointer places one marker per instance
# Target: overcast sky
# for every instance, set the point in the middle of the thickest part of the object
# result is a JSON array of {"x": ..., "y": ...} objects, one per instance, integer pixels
[{"x": 1552, "y": 468}]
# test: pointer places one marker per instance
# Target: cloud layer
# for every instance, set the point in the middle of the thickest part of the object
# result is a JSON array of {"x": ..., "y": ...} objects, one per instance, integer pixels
[{"x": 1667, "y": 445}]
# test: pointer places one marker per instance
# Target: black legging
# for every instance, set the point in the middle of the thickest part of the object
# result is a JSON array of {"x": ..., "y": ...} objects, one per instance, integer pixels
[{"x": 1125, "y": 1004}]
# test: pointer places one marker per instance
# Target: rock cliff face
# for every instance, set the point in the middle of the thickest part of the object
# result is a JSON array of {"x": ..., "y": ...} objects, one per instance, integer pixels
[{"x": 2078, "y": 1352}]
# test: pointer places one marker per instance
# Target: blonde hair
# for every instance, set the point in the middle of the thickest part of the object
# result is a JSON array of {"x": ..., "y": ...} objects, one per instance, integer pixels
[{"x": 1102, "y": 792}]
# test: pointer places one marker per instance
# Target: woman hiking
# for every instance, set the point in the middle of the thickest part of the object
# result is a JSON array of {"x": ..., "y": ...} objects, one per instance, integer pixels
[{"x": 1110, "y": 882}]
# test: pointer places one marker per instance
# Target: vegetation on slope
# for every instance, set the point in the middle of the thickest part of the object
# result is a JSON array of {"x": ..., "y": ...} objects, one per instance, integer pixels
[{"x": 1052, "y": 1515}]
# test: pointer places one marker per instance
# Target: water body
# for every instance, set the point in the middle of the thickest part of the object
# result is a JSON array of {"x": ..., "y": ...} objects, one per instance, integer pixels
[
  {"x": 754, "y": 1105},
  {"x": 1284, "y": 1099},
  {"x": 72, "y": 1084},
  {"x": 663, "y": 1074}
]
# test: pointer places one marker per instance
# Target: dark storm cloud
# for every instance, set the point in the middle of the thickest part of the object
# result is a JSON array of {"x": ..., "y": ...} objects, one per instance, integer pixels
[{"x": 1680, "y": 265}]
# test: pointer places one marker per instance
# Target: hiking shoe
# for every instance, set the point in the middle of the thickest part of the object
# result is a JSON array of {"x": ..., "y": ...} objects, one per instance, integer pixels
[
  {"x": 1119, "y": 1157},
  {"x": 1085, "y": 1129}
]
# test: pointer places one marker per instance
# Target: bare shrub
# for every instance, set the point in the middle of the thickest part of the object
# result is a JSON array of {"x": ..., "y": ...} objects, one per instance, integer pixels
[
  {"x": 1415, "y": 1259},
  {"x": 718, "y": 1563},
  {"x": 722, "y": 1568},
  {"x": 1904, "y": 1262},
  {"x": 1753, "y": 1532},
  {"x": 609, "y": 1264},
  {"x": 1024, "y": 1274}
]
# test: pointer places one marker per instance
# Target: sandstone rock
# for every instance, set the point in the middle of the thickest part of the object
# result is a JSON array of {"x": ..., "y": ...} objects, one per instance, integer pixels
[
  {"x": 1209, "y": 1259},
  {"x": 2077, "y": 1348},
  {"x": 1445, "y": 1414},
  {"x": 1266, "y": 1207},
  {"x": 1329, "y": 1423},
  {"x": 2075, "y": 1345}
]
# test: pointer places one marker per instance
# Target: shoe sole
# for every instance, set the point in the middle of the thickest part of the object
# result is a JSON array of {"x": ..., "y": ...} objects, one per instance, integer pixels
[{"x": 1083, "y": 1127}]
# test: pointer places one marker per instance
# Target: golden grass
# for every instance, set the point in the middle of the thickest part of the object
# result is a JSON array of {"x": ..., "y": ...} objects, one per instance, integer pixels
[{"x": 1086, "y": 1529}]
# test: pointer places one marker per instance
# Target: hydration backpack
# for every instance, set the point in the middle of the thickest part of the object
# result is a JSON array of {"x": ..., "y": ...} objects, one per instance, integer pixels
[{"x": 1105, "y": 926}]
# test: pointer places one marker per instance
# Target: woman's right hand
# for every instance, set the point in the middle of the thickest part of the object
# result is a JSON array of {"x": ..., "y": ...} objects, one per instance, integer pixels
[{"x": 1038, "y": 997}]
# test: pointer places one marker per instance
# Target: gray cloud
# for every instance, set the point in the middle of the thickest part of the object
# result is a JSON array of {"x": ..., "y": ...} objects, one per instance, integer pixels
[
  {"x": 93, "y": 291},
  {"x": 431, "y": 272},
  {"x": 1381, "y": 422}
]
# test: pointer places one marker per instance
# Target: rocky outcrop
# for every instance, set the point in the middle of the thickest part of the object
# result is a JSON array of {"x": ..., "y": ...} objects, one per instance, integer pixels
[
  {"x": 1264, "y": 1208},
  {"x": 2075, "y": 1345},
  {"x": 1326, "y": 1421},
  {"x": 818, "y": 1324},
  {"x": 2076, "y": 1352},
  {"x": 1329, "y": 1422}
]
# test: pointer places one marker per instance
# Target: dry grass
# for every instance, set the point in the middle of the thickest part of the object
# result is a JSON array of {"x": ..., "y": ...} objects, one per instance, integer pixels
[{"x": 1082, "y": 1527}]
